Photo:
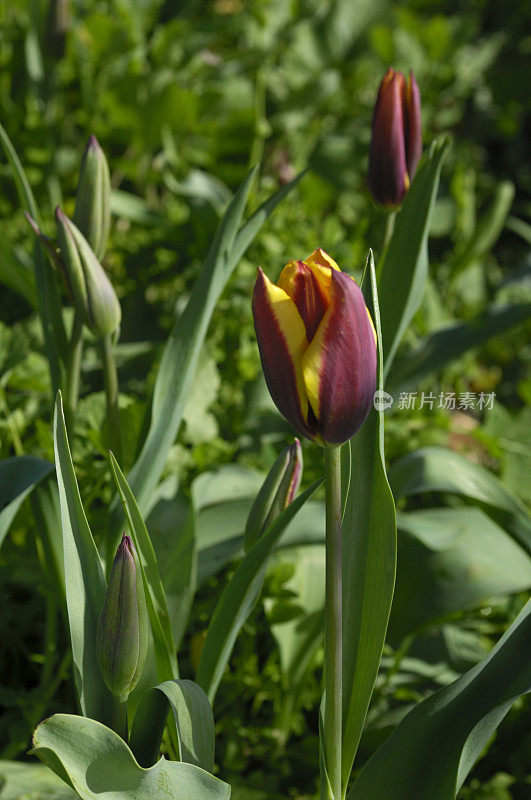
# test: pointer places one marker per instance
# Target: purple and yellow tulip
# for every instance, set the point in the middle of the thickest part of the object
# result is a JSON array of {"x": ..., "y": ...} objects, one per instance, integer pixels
[
  {"x": 317, "y": 346},
  {"x": 396, "y": 144}
]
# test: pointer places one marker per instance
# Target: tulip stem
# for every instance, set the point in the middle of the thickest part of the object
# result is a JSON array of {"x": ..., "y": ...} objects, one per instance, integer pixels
[
  {"x": 110, "y": 378},
  {"x": 333, "y": 622},
  {"x": 120, "y": 718},
  {"x": 73, "y": 369},
  {"x": 390, "y": 219}
]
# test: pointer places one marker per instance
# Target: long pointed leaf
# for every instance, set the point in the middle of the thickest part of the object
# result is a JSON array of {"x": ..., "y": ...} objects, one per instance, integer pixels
[
  {"x": 181, "y": 353},
  {"x": 15, "y": 274},
  {"x": 84, "y": 581},
  {"x": 405, "y": 266},
  {"x": 18, "y": 476},
  {"x": 47, "y": 296},
  {"x": 451, "y": 342},
  {"x": 369, "y": 564},
  {"x": 432, "y": 750},
  {"x": 239, "y": 598}
]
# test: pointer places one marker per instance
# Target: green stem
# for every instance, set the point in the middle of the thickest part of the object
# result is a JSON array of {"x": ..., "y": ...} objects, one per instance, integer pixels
[
  {"x": 73, "y": 369},
  {"x": 261, "y": 126},
  {"x": 110, "y": 378},
  {"x": 333, "y": 622},
  {"x": 389, "y": 227},
  {"x": 119, "y": 724}
]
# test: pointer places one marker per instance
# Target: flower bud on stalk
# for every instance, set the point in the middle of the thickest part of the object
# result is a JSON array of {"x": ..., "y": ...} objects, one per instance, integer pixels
[
  {"x": 91, "y": 291},
  {"x": 277, "y": 492},
  {"x": 93, "y": 199},
  {"x": 122, "y": 636},
  {"x": 317, "y": 346},
  {"x": 396, "y": 144}
]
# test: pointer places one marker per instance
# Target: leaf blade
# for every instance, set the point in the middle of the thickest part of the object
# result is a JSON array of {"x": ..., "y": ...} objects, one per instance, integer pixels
[
  {"x": 369, "y": 564},
  {"x": 238, "y": 599},
  {"x": 403, "y": 272},
  {"x": 84, "y": 580},
  {"x": 431, "y": 751},
  {"x": 158, "y": 612},
  {"x": 100, "y": 766}
]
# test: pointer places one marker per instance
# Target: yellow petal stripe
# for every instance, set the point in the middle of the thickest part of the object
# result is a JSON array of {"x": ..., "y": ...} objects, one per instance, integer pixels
[
  {"x": 312, "y": 364},
  {"x": 321, "y": 259},
  {"x": 294, "y": 333}
]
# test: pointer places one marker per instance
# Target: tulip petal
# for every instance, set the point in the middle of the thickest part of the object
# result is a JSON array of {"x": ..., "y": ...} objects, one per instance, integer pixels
[
  {"x": 304, "y": 287},
  {"x": 282, "y": 342},
  {"x": 387, "y": 175},
  {"x": 321, "y": 259},
  {"x": 339, "y": 366}
]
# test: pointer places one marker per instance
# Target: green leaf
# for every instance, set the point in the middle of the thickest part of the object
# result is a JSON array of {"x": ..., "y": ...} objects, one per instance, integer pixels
[
  {"x": 369, "y": 563},
  {"x": 84, "y": 581},
  {"x": 488, "y": 229},
  {"x": 23, "y": 780},
  {"x": 18, "y": 476},
  {"x": 157, "y": 605},
  {"x": 449, "y": 560},
  {"x": 136, "y": 209},
  {"x": 201, "y": 185},
  {"x": 434, "y": 469},
  {"x": 99, "y": 765},
  {"x": 432, "y": 750},
  {"x": 404, "y": 268},
  {"x": 450, "y": 343},
  {"x": 239, "y": 598},
  {"x": 171, "y": 523},
  {"x": 182, "y": 350},
  {"x": 47, "y": 295},
  {"x": 193, "y": 719},
  {"x": 15, "y": 273},
  {"x": 299, "y": 637}
]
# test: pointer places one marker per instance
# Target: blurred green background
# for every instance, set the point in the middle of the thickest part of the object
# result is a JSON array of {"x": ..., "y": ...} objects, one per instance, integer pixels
[{"x": 184, "y": 97}]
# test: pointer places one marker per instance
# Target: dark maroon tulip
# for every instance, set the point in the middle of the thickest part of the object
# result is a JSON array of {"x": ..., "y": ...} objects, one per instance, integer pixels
[
  {"x": 317, "y": 346},
  {"x": 396, "y": 144}
]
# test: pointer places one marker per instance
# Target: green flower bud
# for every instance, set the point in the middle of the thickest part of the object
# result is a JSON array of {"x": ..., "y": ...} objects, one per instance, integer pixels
[
  {"x": 123, "y": 625},
  {"x": 91, "y": 291},
  {"x": 276, "y": 493},
  {"x": 93, "y": 199}
]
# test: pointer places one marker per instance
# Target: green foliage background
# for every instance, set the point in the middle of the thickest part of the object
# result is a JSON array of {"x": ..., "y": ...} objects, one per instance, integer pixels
[{"x": 184, "y": 97}]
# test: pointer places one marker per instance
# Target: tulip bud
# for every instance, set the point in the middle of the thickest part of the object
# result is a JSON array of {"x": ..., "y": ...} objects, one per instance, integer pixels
[
  {"x": 317, "y": 346},
  {"x": 93, "y": 199},
  {"x": 396, "y": 144},
  {"x": 123, "y": 626},
  {"x": 276, "y": 493},
  {"x": 91, "y": 290}
]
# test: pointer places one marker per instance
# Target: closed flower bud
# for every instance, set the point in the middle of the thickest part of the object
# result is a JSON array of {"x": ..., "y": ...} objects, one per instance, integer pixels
[
  {"x": 276, "y": 493},
  {"x": 91, "y": 291},
  {"x": 93, "y": 199},
  {"x": 396, "y": 144},
  {"x": 318, "y": 347},
  {"x": 123, "y": 627}
]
